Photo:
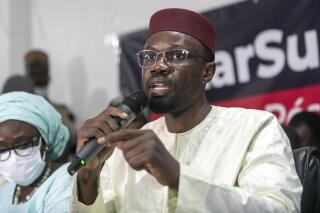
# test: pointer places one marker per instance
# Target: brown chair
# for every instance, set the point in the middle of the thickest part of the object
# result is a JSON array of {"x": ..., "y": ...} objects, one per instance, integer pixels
[{"x": 307, "y": 161}]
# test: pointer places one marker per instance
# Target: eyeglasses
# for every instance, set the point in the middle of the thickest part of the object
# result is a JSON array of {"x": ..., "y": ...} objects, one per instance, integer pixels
[
  {"x": 23, "y": 149},
  {"x": 173, "y": 57}
]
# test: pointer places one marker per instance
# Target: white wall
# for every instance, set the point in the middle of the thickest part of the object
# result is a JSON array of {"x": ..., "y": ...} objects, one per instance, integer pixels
[
  {"x": 4, "y": 41},
  {"x": 80, "y": 36},
  {"x": 14, "y": 36}
]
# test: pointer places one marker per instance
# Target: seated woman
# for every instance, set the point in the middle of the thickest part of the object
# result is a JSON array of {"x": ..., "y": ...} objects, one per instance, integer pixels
[{"x": 32, "y": 137}]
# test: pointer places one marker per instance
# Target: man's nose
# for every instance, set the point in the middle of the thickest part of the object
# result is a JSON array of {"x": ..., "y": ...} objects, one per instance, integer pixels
[{"x": 160, "y": 66}]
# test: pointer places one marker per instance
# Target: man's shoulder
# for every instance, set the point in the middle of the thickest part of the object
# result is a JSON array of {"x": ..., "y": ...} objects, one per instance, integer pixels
[
  {"x": 219, "y": 112},
  {"x": 246, "y": 116},
  {"x": 237, "y": 112}
]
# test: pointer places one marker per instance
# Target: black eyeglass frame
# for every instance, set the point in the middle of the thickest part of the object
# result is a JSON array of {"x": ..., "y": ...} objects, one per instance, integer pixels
[
  {"x": 164, "y": 53},
  {"x": 31, "y": 141}
]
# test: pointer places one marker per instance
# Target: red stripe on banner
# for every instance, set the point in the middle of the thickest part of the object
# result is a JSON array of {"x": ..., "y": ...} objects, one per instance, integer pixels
[{"x": 284, "y": 104}]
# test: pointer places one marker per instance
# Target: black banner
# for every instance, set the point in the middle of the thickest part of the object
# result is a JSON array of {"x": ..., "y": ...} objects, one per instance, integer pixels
[{"x": 262, "y": 48}]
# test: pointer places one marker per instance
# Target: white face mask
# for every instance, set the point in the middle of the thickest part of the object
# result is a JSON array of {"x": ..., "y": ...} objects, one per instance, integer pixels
[{"x": 23, "y": 170}]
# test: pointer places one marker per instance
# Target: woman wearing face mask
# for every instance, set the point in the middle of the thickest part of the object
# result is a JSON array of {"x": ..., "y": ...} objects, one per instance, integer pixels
[{"x": 32, "y": 136}]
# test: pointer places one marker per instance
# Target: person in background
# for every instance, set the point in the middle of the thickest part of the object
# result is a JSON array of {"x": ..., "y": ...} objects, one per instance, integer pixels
[
  {"x": 18, "y": 83},
  {"x": 307, "y": 125},
  {"x": 293, "y": 136},
  {"x": 197, "y": 157},
  {"x": 37, "y": 69},
  {"x": 32, "y": 137}
]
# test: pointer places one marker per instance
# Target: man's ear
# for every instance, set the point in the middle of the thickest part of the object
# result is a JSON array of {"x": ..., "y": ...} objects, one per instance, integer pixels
[{"x": 209, "y": 71}]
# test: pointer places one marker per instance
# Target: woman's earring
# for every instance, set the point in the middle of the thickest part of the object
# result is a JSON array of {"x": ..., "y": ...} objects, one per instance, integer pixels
[{"x": 44, "y": 157}]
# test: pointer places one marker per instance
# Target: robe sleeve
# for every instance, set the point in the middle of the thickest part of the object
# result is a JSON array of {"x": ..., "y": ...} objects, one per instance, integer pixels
[
  {"x": 104, "y": 201},
  {"x": 267, "y": 180},
  {"x": 106, "y": 189}
]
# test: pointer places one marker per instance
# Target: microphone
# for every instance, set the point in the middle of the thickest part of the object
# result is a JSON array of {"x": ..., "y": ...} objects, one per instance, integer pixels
[{"x": 132, "y": 106}]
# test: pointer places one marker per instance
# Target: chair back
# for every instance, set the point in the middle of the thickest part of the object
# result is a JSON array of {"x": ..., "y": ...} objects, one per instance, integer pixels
[{"x": 307, "y": 162}]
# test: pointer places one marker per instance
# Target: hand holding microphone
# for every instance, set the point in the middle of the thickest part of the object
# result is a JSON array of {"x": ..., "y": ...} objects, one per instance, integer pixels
[{"x": 92, "y": 154}]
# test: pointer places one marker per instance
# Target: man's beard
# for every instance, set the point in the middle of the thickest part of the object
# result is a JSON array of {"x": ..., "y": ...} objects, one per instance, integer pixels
[
  {"x": 172, "y": 104},
  {"x": 161, "y": 105}
]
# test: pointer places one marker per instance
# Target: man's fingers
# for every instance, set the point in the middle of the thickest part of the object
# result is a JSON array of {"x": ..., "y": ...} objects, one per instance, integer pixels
[
  {"x": 90, "y": 133},
  {"x": 114, "y": 112},
  {"x": 139, "y": 161},
  {"x": 111, "y": 123},
  {"x": 108, "y": 117},
  {"x": 124, "y": 135},
  {"x": 136, "y": 148},
  {"x": 133, "y": 143}
]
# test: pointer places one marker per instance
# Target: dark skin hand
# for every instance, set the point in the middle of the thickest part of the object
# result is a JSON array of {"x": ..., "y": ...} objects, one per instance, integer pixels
[
  {"x": 97, "y": 127},
  {"x": 142, "y": 149}
]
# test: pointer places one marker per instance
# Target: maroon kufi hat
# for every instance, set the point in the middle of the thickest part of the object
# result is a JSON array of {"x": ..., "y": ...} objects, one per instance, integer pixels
[{"x": 184, "y": 21}]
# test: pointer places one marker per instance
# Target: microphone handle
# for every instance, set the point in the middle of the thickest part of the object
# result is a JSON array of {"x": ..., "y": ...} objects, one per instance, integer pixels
[{"x": 92, "y": 148}]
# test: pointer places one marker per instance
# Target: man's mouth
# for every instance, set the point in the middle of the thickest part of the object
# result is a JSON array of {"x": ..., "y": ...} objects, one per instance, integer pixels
[{"x": 159, "y": 89}]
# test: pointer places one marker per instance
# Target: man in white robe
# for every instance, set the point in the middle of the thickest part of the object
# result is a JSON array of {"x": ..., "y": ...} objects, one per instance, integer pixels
[{"x": 197, "y": 157}]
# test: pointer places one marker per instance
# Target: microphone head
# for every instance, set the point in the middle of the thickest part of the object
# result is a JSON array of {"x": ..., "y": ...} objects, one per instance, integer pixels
[{"x": 137, "y": 101}]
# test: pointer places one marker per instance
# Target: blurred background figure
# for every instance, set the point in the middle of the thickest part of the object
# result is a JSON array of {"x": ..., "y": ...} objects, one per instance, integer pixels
[
  {"x": 18, "y": 83},
  {"x": 293, "y": 136},
  {"x": 32, "y": 138},
  {"x": 37, "y": 69},
  {"x": 307, "y": 125}
]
